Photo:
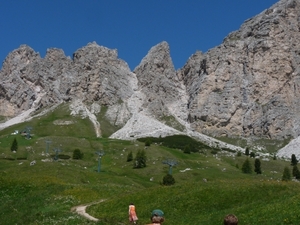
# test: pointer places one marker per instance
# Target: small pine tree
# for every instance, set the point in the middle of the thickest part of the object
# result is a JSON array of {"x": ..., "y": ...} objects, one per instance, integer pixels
[
  {"x": 246, "y": 168},
  {"x": 129, "y": 156},
  {"x": 247, "y": 151},
  {"x": 140, "y": 159},
  {"x": 294, "y": 161},
  {"x": 286, "y": 176},
  {"x": 168, "y": 180},
  {"x": 257, "y": 168},
  {"x": 14, "y": 145},
  {"x": 274, "y": 157},
  {"x": 296, "y": 172},
  {"x": 77, "y": 154},
  {"x": 148, "y": 142},
  {"x": 252, "y": 155}
]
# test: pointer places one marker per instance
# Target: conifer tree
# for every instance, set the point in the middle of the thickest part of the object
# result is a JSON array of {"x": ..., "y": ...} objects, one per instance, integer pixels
[
  {"x": 129, "y": 156},
  {"x": 14, "y": 145},
  {"x": 247, "y": 151},
  {"x": 286, "y": 176},
  {"x": 257, "y": 168},
  {"x": 246, "y": 168},
  {"x": 168, "y": 180},
  {"x": 294, "y": 161},
  {"x": 77, "y": 154},
  {"x": 296, "y": 172},
  {"x": 147, "y": 142},
  {"x": 140, "y": 159}
]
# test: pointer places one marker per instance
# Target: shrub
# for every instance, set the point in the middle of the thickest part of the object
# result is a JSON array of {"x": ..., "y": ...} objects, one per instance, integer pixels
[
  {"x": 178, "y": 142},
  {"x": 257, "y": 168},
  {"x": 296, "y": 172},
  {"x": 62, "y": 156},
  {"x": 239, "y": 153},
  {"x": 148, "y": 142},
  {"x": 14, "y": 145},
  {"x": 77, "y": 154},
  {"x": 252, "y": 155},
  {"x": 246, "y": 168},
  {"x": 247, "y": 151},
  {"x": 294, "y": 161},
  {"x": 168, "y": 180},
  {"x": 187, "y": 149},
  {"x": 140, "y": 159},
  {"x": 286, "y": 176},
  {"x": 129, "y": 156},
  {"x": 214, "y": 151}
]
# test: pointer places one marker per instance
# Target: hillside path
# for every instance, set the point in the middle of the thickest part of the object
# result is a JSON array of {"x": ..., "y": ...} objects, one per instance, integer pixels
[{"x": 81, "y": 210}]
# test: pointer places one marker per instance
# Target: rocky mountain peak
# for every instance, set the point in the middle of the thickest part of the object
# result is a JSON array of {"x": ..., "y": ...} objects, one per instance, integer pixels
[
  {"x": 18, "y": 59},
  {"x": 247, "y": 87},
  {"x": 95, "y": 51},
  {"x": 54, "y": 54}
]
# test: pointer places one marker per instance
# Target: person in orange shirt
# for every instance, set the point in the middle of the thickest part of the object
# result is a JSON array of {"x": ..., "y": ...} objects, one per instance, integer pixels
[{"x": 132, "y": 214}]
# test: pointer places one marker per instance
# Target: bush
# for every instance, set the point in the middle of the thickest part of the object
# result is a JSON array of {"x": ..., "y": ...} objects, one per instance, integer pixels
[
  {"x": 140, "y": 159},
  {"x": 294, "y": 160},
  {"x": 296, "y": 172},
  {"x": 187, "y": 149},
  {"x": 286, "y": 174},
  {"x": 148, "y": 142},
  {"x": 257, "y": 169},
  {"x": 246, "y": 168},
  {"x": 77, "y": 154},
  {"x": 129, "y": 156},
  {"x": 168, "y": 180},
  {"x": 247, "y": 151},
  {"x": 14, "y": 145},
  {"x": 214, "y": 151},
  {"x": 178, "y": 142}
]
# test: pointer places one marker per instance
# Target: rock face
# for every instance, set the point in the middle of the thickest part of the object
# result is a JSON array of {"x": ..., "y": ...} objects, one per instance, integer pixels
[
  {"x": 247, "y": 87},
  {"x": 157, "y": 79}
]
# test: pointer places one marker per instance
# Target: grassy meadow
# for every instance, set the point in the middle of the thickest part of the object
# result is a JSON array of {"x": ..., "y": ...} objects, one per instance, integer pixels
[{"x": 208, "y": 185}]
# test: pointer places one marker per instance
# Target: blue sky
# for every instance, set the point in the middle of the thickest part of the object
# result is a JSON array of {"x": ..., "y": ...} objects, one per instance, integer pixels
[{"x": 130, "y": 26}]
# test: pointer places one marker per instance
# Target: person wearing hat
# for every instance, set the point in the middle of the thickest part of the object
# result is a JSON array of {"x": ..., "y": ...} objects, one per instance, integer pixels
[{"x": 157, "y": 217}]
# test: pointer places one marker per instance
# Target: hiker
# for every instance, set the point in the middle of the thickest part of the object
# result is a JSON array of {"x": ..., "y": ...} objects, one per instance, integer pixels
[
  {"x": 132, "y": 214},
  {"x": 231, "y": 219},
  {"x": 157, "y": 217}
]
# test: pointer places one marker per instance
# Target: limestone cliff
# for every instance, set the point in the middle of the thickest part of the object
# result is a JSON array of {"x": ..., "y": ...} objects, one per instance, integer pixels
[{"x": 247, "y": 87}]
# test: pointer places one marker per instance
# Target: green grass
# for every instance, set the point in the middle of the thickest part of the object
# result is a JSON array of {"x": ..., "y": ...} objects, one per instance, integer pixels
[
  {"x": 172, "y": 122},
  {"x": 46, "y": 192},
  {"x": 107, "y": 128},
  {"x": 268, "y": 145}
]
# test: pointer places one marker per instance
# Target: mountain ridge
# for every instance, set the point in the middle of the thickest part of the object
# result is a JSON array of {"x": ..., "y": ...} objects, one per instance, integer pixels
[{"x": 247, "y": 87}]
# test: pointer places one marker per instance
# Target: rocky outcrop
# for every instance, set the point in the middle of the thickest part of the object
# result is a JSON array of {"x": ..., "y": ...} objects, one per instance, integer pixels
[
  {"x": 157, "y": 79},
  {"x": 246, "y": 87},
  {"x": 94, "y": 75},
  {"x": 249, "y": 85}
]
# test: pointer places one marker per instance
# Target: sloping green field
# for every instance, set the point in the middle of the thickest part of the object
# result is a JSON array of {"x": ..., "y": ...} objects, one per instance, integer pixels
[{"x": 46, "y": 192}]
